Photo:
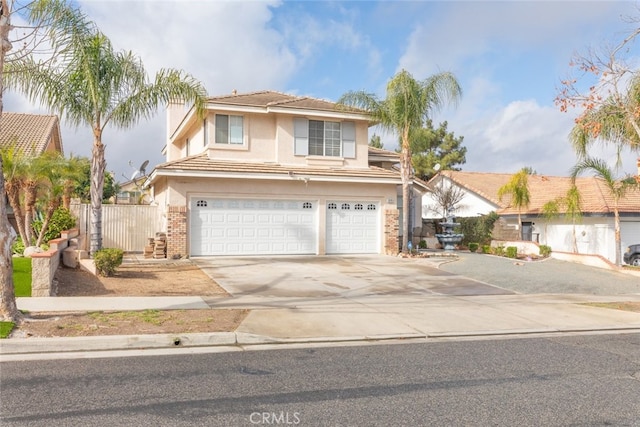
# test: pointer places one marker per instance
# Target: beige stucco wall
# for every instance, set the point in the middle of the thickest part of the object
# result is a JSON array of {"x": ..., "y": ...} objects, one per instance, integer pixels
[
  {"x": 182, "y": 190},
  {"x": 269, "y": 138}
]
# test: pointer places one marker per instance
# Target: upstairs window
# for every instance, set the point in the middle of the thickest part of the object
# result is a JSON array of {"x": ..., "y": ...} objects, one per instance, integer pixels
[
  {"x": 324, "y": 138},
  {"x": 229, "y": 129}
]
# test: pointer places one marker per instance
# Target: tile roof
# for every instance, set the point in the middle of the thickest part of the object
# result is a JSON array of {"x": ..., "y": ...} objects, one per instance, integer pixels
[
  {"x": 269, "y": 98},
  {"x": 381, "y": 154},
  {"x": 31, "y": 132},
  {"x": 594, "y": 196},
  {"x": 202, "y": 164}
]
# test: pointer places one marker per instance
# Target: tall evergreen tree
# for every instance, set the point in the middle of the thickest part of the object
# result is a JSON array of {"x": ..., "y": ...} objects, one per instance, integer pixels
[{"x": 430, "y": 147}]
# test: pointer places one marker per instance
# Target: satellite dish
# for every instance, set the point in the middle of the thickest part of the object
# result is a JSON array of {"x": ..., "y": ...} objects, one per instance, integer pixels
[
  {"x": 436, "y": 167},
  {"x": 135, "y": 175},
  {"x": 143, "y": 168}
]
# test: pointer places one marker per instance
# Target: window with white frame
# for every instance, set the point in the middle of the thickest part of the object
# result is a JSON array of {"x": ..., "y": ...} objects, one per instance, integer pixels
[
  {"x": 229, "y": 129},
  {"x": 324, "y": 138}
]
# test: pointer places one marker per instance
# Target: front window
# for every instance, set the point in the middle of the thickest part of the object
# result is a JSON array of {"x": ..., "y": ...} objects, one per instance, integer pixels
[
  {"x": 229, "y": 129},
  {"x": 324, "y": 138}
]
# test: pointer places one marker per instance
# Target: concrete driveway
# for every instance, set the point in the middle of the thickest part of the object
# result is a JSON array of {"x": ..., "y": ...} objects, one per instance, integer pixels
[
  {"x": 374, "y": 297},
  {"x": 338, "y": 276}
]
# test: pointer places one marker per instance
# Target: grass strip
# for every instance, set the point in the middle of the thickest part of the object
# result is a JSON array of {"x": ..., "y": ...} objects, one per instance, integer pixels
[
  {"x": 5, "y": 329},
  {"x": 22, "y": 276}
]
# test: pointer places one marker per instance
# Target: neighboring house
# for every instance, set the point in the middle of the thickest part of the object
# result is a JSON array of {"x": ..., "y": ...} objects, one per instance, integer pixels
[
  {"x": 132, "y": 192},
  {"x": 594, "y": 232},
  {"x": 268, "y": 173},
  {"x": 33, "y": 134},
  {"x": 391, "y": 160}
]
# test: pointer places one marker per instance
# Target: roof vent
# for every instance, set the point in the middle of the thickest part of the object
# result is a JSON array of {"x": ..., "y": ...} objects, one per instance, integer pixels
[{"x": 234, "y": 92}]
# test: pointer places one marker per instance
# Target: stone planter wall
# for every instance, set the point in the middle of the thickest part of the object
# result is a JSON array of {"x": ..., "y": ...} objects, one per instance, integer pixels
[{"x": 45, "y": 264}]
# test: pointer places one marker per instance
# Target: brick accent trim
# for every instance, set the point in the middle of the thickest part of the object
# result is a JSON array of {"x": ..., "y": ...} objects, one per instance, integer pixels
[
  {"x": 391, "y": 230},
  {"x": 176, "y": 231}
]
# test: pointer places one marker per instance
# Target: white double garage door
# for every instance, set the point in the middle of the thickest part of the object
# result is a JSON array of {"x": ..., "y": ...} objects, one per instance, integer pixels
[{"x": 282, "y": 227}]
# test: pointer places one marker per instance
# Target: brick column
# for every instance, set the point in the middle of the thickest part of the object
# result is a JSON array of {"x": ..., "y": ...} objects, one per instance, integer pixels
[
  {"x": 177, "y": 231},
  {"x": 391, "y": 229}
]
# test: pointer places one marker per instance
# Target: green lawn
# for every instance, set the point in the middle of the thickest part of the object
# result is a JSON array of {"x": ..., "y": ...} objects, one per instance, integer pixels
[
  {"x": 22, "y": 276},
  {"x": 5, "y": 329}
]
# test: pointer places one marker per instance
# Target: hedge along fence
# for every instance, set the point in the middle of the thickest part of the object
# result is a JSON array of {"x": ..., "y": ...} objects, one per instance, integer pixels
[
  {"x": 45, "y": 264},
  {"x": 477, "y": 229}
]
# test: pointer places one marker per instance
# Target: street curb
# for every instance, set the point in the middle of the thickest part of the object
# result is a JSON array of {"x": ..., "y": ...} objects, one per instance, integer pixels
[
  {"x": 18, "y": 346},
  {"x": 15, "y": 346}
]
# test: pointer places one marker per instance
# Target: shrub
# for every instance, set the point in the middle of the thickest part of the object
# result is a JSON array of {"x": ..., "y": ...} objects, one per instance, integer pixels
[
  {"x": 512, "y": 252},
  {"x": 422, "y": 244},
  {"x": 18, "y": 246},
  {"x": 107, "y": 260},
  {"x": 486, "y": 249},
  {"x": 498, "y": 250},
  {"x": 473, "y": 247},
  {"x": 477, "y": 229},
  {"x": 61, "y": 220},
  {"x": 545, "y": 250}
]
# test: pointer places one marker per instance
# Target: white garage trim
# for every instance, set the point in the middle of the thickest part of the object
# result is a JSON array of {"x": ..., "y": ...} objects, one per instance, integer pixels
[
  {"x": 253, "y": 227},
  {"x": 353, "y": 227}
]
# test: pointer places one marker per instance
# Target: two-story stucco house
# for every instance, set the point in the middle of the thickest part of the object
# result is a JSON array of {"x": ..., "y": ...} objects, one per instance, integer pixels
[{"x": 268, "y": 173}]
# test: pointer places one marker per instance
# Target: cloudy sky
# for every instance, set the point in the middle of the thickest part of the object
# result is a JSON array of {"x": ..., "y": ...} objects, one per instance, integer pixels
[{"x": 508, "y": 56}]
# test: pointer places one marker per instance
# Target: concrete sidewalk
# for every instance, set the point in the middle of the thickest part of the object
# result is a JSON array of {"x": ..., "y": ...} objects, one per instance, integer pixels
[
  {"x": 279, "y": 320},
  {"x": 340, "y": 299}
]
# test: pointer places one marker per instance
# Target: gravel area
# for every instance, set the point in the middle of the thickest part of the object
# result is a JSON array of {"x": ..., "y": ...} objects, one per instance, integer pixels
[{"x": 545, "y": 276}]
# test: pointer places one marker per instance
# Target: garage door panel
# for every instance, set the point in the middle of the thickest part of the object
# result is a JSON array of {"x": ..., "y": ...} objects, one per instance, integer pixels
[
  {"x": 352, "y": 227},
  {"x": 252, "y": 227}
]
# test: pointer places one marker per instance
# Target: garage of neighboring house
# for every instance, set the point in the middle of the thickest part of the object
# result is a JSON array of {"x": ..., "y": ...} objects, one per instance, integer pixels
[{"x": 629, "y": 233}]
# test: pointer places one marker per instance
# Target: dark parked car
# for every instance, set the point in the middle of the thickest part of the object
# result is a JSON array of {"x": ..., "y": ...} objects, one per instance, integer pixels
[{"x": 632, "y": 255}]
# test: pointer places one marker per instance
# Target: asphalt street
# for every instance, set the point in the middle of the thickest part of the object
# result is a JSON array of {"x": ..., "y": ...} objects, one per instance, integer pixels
[
  {"x": 579, "y": 380},
  {"x": 547, "y": 276}
]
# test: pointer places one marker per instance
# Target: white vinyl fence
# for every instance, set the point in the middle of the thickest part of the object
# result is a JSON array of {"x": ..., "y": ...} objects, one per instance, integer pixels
[{"x": 126, "y": 227}]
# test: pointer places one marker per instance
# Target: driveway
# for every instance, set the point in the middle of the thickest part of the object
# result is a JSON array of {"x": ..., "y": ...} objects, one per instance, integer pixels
[
  {"x": 377, "y": 275},
  {"x": 549, "y": 276},
  {"x": 338, "y": 276},
  {"x": 372, "y": 297}
]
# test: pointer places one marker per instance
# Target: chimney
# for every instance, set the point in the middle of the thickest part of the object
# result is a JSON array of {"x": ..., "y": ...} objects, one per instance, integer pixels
[{"x": 235, "y": 92}]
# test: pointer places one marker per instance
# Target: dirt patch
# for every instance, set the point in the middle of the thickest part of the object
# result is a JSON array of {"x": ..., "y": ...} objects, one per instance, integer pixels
[
  {"x": 164, "y": 278},
  {"x": 129, "y": 323},
  {"x": 146, "y": 279}
]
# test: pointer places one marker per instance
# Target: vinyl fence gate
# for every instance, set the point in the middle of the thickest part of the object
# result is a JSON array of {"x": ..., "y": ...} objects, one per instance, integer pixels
[{"x": 125, "y": 227}]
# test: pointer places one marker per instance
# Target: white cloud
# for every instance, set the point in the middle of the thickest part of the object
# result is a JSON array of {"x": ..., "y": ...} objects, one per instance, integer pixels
[
  {"x": 223, "y": 44},
  {"x": 464, "y": 31}
]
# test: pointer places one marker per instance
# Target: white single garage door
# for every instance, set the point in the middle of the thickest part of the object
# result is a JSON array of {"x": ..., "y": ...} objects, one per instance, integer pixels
[
  {"x": 629, "y": 233},
  {"x": 253, "y": 227},
  {"x": 353, "y": 228}
]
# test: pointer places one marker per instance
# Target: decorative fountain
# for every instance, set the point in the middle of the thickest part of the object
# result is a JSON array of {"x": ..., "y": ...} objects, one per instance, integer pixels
[{"x": 448, "y": 239}]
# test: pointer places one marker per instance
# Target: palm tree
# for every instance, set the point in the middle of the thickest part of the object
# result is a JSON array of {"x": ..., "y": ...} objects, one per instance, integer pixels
[
  {"x": 94, "y": 85},
  {"x": 550, "y": 211},
  {"x": 408, "y": 104},
  {"x": 617, "y": 189},
  {"x": 14, "y": 172},
  {"x": 54, "y": 167},
  {"x": 571, "y": 203},
  {"x": 518, "y": 189},
  {"x": 613, "y": 121}
]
